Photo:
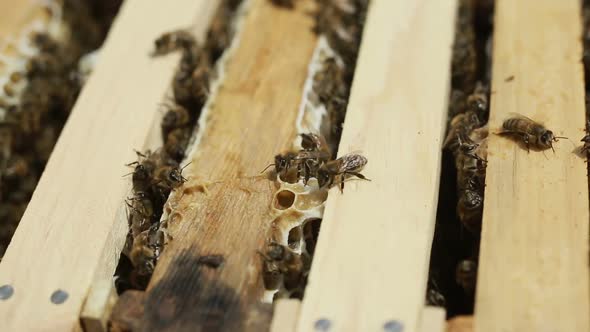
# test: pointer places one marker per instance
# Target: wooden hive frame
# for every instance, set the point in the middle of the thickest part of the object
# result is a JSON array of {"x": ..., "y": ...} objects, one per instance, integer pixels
[{"x": 535, "y": 224}]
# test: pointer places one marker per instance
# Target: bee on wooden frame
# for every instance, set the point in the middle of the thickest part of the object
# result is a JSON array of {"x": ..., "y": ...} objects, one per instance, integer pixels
[
  {"x": 283, "y": 163},
  {"x": 336, "y": 171},
  {"x": 143, "y": 170},
  {"x": 466, "y": 275},
  {"x": 478, "y": 100},
  {"x": 174, "y": 41},
  {"x": 176, "y": 117},
  {"x": 176, "y": 142},
  {"x": 530, "y": 132},
  {"x": 142, "y": 255},
  {"x": 169, "y": 177},
  {"x": 315, "y": 153},
  {"x": 461, "y": 123},
  {"x": 470, "y": 204},
  {"x": 290, "y": 264}
]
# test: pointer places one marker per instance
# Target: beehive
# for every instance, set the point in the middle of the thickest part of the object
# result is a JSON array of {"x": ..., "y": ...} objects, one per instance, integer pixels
[{"x": 454, "y": 218}]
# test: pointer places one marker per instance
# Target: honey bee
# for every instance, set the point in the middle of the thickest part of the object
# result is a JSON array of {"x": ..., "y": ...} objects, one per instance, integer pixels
[
  {"x": 142, "y": 255},
  {"x": 174, "y": 41},
  {"x": 461, "y": 123},
  {"x": 176, "y": 143},
  {"x": 337, "y": 170},
  {"x": 142, "y": 213},
  {"x": 290, "y": 264},
  {"x": 220, "y": 32},
  {"x": 470, "y": 204},
  {"x": 478, "y": 100},
  {"x": 283, "y": 163},
  {"x": 143, "y": 171},
  {"x": 271, "y": 274},
  {"x": 532, "y": 133},
  {"x": 191, "y": 85},
  {"x": 315, "y": 152},
  {"x": 468, "y": 158},
  {"x": 176, "y": 117},
  {"x": 433, "y": 294},
  {"x": 169, "y": 177},
  {"x": 466, "y": 275}
]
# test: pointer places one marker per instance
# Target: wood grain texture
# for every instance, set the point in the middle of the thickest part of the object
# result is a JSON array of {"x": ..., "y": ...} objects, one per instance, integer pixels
[
  {"x": 66, "y": 227},
  {"x": 371, "y": 261},
  {"x": 252, "y": 118},
  {"x": 285, "y": 315},
  {"x": 533, "y": 271}
]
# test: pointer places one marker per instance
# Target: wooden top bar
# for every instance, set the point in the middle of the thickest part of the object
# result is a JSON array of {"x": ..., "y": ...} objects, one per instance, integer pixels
[
  {"x": 371, "y": 262},
  {"x": 533, "y": 270}
]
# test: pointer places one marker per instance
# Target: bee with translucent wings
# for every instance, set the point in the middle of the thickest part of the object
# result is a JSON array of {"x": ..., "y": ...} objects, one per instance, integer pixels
[
  {"x": 532, "y": 133},
  {"x": 337, "y": 171}
]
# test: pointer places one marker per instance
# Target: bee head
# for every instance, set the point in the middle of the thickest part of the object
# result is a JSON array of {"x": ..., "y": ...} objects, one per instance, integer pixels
[
  {"x": 472, "y": 199},
  {"x": 176, "y": 178},
  {"x": 141, "y": 172},
  {"x": 546, "y": 139},
  {"x": 275, "y": 251},
  {"x": 466, "y": 267}
]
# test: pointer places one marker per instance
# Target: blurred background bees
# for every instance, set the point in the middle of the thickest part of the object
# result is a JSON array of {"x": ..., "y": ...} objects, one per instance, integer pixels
[{"x": 41, "y": 81}]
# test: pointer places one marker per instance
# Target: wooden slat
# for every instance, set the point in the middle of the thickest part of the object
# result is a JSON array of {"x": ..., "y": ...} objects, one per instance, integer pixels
[
  {"x": 98, "y": 306},
  {"x": 371, "y": 262},
  {"x": 285, "y": 315},
  {"x": 433, "y": 319},
  {"x": 66, "y": 227},
  {"x": 251, "y": 118},
  {"x": 533, "y": 271}
]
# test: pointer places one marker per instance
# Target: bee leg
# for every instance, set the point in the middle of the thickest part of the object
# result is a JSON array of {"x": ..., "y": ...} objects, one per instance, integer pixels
[
  {"x": 342, "y": 187},
  {"x": 359, "y": 175},
  {"x": 527, "y": 143}
]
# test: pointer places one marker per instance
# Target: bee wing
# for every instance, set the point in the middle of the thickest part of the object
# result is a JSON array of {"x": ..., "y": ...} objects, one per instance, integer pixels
[{"x": 351, "y": 161}]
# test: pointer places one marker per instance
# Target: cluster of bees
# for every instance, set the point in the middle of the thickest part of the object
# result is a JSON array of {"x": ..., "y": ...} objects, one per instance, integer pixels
[
  {"x": 341, "y": 24},
  {"x": 283, "y": 266},
  {"x": 467, "y": 141},
  {"x": 314, "y": 160},
  {"x": 156, "y": 173},
  {"x": 37, "y": 100}
]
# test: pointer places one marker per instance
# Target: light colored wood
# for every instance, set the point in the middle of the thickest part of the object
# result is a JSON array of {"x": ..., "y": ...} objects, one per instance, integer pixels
[
  {"x": 285, "y": 315},
  {"x": 433, "y": 319},
  {"x": 460, "y": 324},
  {"x": 371, "y": 262},
  {"x": 533, "y": 269},
  {"x": 68, "y": 223},
  {"x": 98, "y": 306},
  {"x": 226, "y": 206}
]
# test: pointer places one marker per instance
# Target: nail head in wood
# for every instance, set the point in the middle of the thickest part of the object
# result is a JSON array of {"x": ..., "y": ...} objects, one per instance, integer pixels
[
  {"x": 59, "y": 296},
  {"x": 393, "y": 326},
  {"x": 6, "y": 292},
  {"x": 322, "y": 324}
]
